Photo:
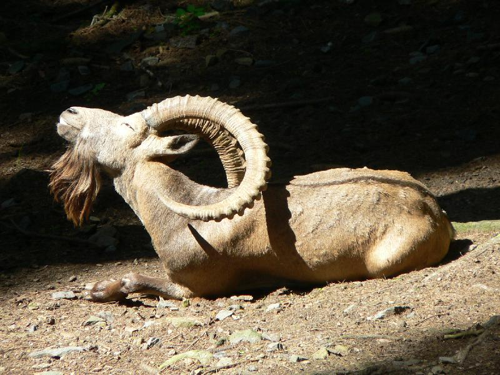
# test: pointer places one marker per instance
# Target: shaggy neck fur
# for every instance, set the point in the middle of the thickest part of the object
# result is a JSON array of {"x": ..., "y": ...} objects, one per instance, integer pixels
[{"x": 75, "y": 181}]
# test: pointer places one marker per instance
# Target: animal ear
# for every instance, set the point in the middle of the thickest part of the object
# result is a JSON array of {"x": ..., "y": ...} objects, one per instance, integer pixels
[
  {"x": 181, "y": 144},
  {"x": 154, "y": 146}
]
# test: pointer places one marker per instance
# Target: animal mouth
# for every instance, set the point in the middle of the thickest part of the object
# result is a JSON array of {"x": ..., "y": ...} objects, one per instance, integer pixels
[{"x": 63, "y": 122}]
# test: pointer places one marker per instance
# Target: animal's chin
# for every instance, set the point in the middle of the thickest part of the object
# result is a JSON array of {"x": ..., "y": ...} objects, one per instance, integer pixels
[{"x": 67, "y": 131}]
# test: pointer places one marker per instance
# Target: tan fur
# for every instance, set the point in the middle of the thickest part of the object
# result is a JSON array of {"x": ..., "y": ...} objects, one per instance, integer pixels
[
  {"x": 75, "y": 181},
  {"x": 340, "y": 224}
]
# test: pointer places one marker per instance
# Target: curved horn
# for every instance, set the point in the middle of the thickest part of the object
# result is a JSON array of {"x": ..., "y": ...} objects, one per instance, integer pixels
[{"x": 214, "y": 119}]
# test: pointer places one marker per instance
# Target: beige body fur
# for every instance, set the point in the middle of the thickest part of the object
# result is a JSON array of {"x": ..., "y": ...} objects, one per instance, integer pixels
[{"x": 340, "y": 224}]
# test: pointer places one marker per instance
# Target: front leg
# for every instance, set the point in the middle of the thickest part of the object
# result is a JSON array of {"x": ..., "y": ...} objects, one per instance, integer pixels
[{"x": 117, "y": 290}]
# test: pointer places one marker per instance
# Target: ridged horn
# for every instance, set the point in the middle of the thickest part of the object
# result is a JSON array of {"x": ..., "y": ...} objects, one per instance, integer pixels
[{"x": 223, "y": 125}]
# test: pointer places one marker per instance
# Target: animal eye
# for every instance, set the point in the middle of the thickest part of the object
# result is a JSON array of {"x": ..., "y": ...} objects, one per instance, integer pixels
[{"x": 128, "y": 125}]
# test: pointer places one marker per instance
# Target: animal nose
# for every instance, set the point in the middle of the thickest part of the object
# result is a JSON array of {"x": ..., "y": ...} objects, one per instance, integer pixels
[{"x": 72, "y": 111}]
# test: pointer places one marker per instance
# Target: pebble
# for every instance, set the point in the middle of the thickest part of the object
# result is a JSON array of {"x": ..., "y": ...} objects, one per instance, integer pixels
[
  {"x": 72, "y": 278},
  {"x": 223, "y": 314},
  {"x": 274, "y": 306},
  {"x": 417, "y": 59},
  {"x": 83, "y": 70},
  {"x": 247, "y": 335},
  {"x": 211, "y": 60},
  {"x": 340, "y": 350},
  {"x": 239, "y": 31},
  {"x": 234, "y": 83},
  {"x": 373, "y": 19},
  {"x": 296, "y": 358},
  {"x": 16, "y": 67},
  {"x": 186, "y": 42},
  {"x": 150, "y": 61},
  {"x": 152, "y": 341},
  {"x": 432, "y": 49},
  {"x": 246, "y": 61},
  {"x": 56, "y": 352},
  {"x": 63, "y": 295},
  {"x": 183, "y": 322},
  {"x": 405, "y": 81},
  {"x": 275, "y": 346},
  {"x": 80, "y": 90},
  {"x": 127, "y": 66},
  {"x": 321, "y": 354},
  {"x": 395, "y": 310},
  {"x": 59, "y": 86},
  {"x": 365, "y": 101},
  {"x": 224, "y": 362}
]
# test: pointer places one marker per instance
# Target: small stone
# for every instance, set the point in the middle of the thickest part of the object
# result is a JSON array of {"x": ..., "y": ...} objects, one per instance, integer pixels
[
  {"x": 223, "y": 314},
  {"x": 152, "y": 341},
  {"x": 56, "y": 352},
  {"x": 432, "y": 49},
  {"x": 271, "y": 337},
  {"x": 211, "y": 60},
  {"x": 80, "y": 90},
  {"x": 93, "y": 320},
  {"x": 473, "y": 60},
  {"x": 321, "y": 354},
  {"x": 166, "y": 304},
  {"x": 417, "y": 59},
  {"x": 274, "y": 346},
  {"x": 405, "y": 81},
  {"x": 150, "y": 61},
  {"x": 224, "y": 362},
  {"x": 247, "y": 335},
  {"x": 296, "y": 358},
  {"x": 72, "y": 278},
  {"x": 63, "y": 295},
  {"x": 83, "y": 70},
  {"x": 33, "y": 306},
  {"x": 340, "y": 350},
  {"x": 242, "y": 298},
  {"x": 373, "y": 19},
  {"x": 488, "y": 78},
  {"x": 186, "y": 42},
  {"x": 202, "y": 356},
  {"x": 274, "y": 306},
  {"x": 234, "y": 83},
  {"x": 50, "y": 373},
  {"x": 136, "y": 95},
  {"x": 395, "y": 310},
  {"x": 472, "y": 75},
  {"x": 183, "y": 322},
  {"x": 246, "y": 61},
  {"x": 437, "y": 370},
  {"x": 365, "y": 101},
  {"x": 371, "y": 37},
  {"x": 127, "y": 66},
  {"x": 239, "y": 31},
  {"x": 451, "y": 360},
  {"x": 327, "y": 47},
  {"x": 59, "y": 86},
  {"x": 16, "y": 67}
]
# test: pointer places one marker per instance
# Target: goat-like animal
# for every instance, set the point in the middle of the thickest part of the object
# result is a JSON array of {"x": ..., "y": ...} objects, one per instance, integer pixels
[{"x": 339, "y": 224}]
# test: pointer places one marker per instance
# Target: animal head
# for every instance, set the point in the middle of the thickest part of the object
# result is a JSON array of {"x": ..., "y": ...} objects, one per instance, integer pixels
[{"x": 102, "y": 140}]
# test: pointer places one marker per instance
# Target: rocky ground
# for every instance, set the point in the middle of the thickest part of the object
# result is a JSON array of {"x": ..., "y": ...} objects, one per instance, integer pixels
[{"x": 403, "y": 84}]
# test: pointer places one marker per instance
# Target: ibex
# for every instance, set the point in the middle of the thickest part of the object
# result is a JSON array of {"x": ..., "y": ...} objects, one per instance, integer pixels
[{"x": 335, "y": 225}]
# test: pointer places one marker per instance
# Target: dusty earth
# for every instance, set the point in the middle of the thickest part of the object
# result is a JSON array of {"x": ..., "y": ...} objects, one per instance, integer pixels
[{"x": 408, "y": 84}]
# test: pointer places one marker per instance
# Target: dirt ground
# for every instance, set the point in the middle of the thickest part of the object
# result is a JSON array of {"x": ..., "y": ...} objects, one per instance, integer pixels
[{"x": 408, "y": 84}]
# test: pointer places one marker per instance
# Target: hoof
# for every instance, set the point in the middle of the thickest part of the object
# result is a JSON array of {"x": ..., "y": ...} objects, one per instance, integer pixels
[{"x": 106, "y": 291}]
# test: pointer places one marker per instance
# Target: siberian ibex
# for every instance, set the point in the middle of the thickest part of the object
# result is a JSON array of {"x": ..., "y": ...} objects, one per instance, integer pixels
[{"x": 339, "y": 224}]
